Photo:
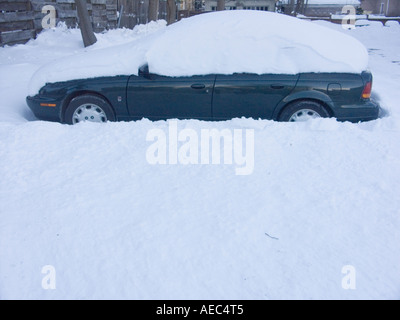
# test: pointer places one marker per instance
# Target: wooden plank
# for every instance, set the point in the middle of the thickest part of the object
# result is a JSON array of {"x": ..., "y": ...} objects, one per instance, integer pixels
[
  {"x": 6, "y": 6},
  {"x": 17, "y": 0},
  {"x": 99, "y": 13},
  {"x": 98, "y": 7},
  {"x": 66, "y": 1},
  {"x": 58, "y": 6},
  {"x": 38, "y": 6},
  {"x": 16, "y": 16},
  {"x": 112, "y": 17},
  {"x": 99, "y": 19},
  {"x": 111, "y": 7},
  {"x": 99, "y": 2},
  {"x": 17, "y": 25},
  {"x": 42, "y": 2},
  {"x": 62, "y": 14},
  {"x": 16, "y": 36},
  {"x": 12, "y": 43}
]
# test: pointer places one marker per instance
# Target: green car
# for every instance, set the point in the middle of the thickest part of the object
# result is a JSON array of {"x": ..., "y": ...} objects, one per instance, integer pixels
[{"x": 281, "y": 97}]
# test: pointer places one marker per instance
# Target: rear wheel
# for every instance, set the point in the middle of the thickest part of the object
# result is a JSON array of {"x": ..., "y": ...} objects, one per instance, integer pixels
[
  {"x": 302, "y": 111},
  {"x": 90, "y": 108}
]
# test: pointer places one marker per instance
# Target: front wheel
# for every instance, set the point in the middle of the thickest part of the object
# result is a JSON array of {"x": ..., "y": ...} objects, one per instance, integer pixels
[
  {"x": 90, "y": 108},
  {"x": 303, "y": 111}
]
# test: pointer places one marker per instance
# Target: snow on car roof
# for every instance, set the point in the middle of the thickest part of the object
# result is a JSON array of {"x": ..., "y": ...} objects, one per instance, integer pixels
[
  {"x": 253, "y": 41},
  {"x": 226, "y": 42}
]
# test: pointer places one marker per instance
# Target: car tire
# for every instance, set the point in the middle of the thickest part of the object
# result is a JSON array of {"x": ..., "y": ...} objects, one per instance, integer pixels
[
  {"x": 302, "y": 111},
  {"x": 88, "y": 107}
]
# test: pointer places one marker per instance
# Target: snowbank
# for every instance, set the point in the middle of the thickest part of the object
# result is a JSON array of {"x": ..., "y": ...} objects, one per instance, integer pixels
[
  {"x": 221, "y": 42},
  {"x": 392, "y": 24}
]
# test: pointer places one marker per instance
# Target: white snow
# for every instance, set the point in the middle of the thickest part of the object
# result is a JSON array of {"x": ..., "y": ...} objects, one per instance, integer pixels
[
  {"x": 253, "y": 41},
  {"x": 115, "y": 53},
  {"x": 220, "y": 42},
  {"x": 82, "y": 199},
  {"x": 392, "y": 23}
]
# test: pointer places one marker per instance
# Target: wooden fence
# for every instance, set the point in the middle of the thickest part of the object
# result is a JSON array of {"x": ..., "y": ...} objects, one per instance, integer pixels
[
  {"x": 16, "y": 21},
  {"x": 21, "y": 20}
]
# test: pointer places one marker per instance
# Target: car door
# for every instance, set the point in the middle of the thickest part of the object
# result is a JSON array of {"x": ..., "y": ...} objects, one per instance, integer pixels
[
  {"x": 250, "y": 95},
  {"x": 159, "y": 97}
]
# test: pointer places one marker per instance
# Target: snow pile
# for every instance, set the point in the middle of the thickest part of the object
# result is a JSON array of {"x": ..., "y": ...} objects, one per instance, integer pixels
[
  {"x": 59, "y": 37},
  {"x": 253, "y": 41},
  {"x": 119, "y": 36},
  {"x": 222, "y": 42},
  {"x": 392, "y": 24},
  {"x": 117, "y": 52}
]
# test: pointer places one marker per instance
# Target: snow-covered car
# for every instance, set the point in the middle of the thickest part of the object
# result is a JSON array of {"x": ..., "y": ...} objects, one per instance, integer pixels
[{"x": 214, "y": 66}]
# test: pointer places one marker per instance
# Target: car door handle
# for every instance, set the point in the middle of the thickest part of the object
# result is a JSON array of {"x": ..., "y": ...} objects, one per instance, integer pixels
[
  {"x": 277, "y": 86},
  {"x": 198, "y": 86}
]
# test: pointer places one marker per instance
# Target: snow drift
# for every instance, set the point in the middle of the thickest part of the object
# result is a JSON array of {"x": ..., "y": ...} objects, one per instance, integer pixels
[{"x": 221, "y": 42}]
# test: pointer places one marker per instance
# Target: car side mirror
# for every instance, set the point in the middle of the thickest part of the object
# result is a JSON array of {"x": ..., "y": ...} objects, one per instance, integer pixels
[{"x": 144, "y": 71}]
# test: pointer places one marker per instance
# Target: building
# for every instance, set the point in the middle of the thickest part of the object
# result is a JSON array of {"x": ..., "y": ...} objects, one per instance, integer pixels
[
  {"x": 317, "y": 8},
  {"x": 264, "y": 5},
  {"x": 388, "y": 8}
]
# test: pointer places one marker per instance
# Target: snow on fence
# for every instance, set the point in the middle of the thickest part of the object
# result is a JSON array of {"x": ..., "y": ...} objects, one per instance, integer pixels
[{"x": 21, "y": 20}]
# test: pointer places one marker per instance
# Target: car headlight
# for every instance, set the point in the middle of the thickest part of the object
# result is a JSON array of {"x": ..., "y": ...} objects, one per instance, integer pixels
[{"x": 42, "y": 91}]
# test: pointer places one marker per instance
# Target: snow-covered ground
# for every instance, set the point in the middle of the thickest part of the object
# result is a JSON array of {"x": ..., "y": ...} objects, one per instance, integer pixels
[{"x": 84, "y": 215}]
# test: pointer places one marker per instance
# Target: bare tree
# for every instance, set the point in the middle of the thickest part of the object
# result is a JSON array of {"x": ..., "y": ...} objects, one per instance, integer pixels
[
  {"x": 171, "y": 11},
  {"x": 220, "y": 5},
  {"x": 300, "y": 7},
  {"x": 297, "y": 6},
  {"x": 153, "y": 10},
  {"x": 84, "y": 23}
]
